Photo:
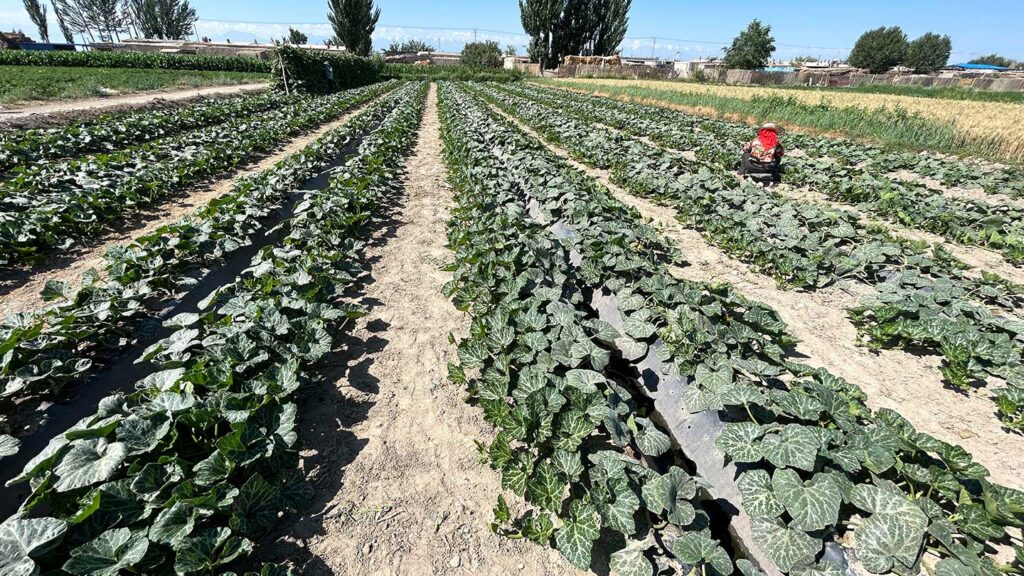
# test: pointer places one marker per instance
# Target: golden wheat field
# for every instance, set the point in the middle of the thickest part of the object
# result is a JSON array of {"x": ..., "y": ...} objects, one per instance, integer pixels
[{"x": 999, "y": 121}]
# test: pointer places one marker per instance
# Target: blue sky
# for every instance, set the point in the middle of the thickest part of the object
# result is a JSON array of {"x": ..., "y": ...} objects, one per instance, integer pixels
[{"x": 690, "y": 28}]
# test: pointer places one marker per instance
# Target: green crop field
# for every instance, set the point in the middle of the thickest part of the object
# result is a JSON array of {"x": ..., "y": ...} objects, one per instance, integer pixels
[{"x": 416, "y": 319}]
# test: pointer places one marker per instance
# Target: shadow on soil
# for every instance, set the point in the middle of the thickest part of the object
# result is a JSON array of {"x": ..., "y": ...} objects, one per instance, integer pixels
[
  {"x": 39, "y": 420},
  {"x": 341, "y": 398}
]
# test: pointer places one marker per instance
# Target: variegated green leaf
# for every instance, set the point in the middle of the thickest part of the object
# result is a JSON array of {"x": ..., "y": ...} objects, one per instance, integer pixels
[
  {"x": 786, "y": 547},
  {"x": 813, "y": 505},
  {"x": 758, "y": 498}
]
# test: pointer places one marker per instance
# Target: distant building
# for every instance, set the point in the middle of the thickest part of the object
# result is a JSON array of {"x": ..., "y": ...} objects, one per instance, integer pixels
[
  {"x": 19, "y": 41},
  {"x": 426, "y": 58},
  {"x": 254, "y": 50},
  {"x": 976, "y": 68},
  {"x": 686, "y": 69}
]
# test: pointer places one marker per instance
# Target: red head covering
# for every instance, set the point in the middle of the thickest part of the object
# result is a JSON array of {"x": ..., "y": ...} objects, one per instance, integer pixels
[{"x": 768, "y": 137}]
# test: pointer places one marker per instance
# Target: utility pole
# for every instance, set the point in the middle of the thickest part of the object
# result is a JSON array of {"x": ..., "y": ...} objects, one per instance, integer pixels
[
  {"x": 474, "y": 35},
  {"x": 654, "y": 47}
]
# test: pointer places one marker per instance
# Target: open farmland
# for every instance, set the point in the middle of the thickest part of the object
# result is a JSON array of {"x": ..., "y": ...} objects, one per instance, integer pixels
[
  {"x": 445, "y": 327},
  {"x": 993, "y": 129}
]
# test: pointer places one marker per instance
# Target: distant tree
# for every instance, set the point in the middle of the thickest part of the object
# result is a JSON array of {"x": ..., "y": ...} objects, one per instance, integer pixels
[
  {"x": 879, "y": 50},
  {"x": 612, "y": 21},
  {"x": 558, "y": 28},
  {"x": 510, "y": 50},
  {"x": 540, "y": 19},
  {"x": 62, "y": 22},
  {"x": 164, "y": 19},
  {"x": 482, "y": 55},
  {"x": 109, "y": 18},
  {"x": 37, "y": 13},
  {"x": 408, "y": 47},
  {"x": 73, "y": 18},
  {"x": 751, "y": 49},
  {"x": 994, "y": 60},
  {"x": 354, "y": 22},
  {"x": 929, "y": 53},
  {"x": 801, "y": 60},
  {"x": 296, "y": 37}
]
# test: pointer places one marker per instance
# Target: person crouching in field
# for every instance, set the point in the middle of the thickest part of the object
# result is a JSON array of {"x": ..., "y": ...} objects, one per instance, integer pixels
[{"x": 762, "y": 156}]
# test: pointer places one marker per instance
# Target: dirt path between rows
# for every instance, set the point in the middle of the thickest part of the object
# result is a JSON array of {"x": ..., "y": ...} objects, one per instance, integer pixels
[
  {"x": 23, "y": 288},
  {"x": 123, "y": 103},
  {"x": 907, "y": 383},
  {"x": 413, "y": 497}
]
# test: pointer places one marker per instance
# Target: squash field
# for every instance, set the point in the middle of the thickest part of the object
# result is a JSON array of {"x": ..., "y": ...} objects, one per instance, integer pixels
[{"x": 501, "y": 328}]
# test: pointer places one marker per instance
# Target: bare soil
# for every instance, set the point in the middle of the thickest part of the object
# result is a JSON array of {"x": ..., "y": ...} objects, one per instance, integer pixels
[
  {"x": 907, "y": 383},
  {"x": 400, "y": 486},
  {"x": 19, "y": 292},
  {"x": 56, "y": 113}
]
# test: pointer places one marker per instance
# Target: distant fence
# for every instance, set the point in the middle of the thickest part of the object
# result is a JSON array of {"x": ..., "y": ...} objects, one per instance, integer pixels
[
  {"x": 802, "y": 78},
  {"x": 598, "y": 71}
]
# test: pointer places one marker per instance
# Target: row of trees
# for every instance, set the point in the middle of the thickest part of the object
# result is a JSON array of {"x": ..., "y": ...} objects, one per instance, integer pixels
[
  {"x": 558, "y": 28},
  {"x": 877, "y": 50},
  {"x": 881, "y": 49},
  {"x": 106, "y": 20}
]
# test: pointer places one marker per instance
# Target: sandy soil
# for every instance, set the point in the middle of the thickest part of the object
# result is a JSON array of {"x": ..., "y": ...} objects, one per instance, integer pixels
[
  {"x": 910, "y": 384},
  {"x": 20, "y": 292},
  {"x": 400, "y": 487},
  {"x": 131, "y": 101}
]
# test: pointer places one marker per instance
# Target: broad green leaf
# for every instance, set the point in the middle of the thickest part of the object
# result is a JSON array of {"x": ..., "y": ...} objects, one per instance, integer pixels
[
  {"x": 619, "y": 513},
  {"x": 652, "y": 442},
  {"x": 630, "y": 561},
  {"x": 739, "y": 441},
  {"x": 638, "y": 328},
  {"x": 163, "y": 380},
  {"x": 108, "y": 553},
  {"x": 545, "y": 488},
  {"x": 21, "y": 539},
  {"x": 584, "y": 380},
  {"x": 786, "y": 547},
  {"x": 883, "y": 539},
  {"x": 672, "y": 493},
  {"x": 813, "y": 505},
  {"x": 893, "y": 533},
  {"x": 575, "y": 539},
  {"x": 255, "y": 507},
  {"x": 215, "y": 468},
  {"x": 173, "y": 524},
  {"x": 795, "y": 446},
  {"x": 539, "y": 528},
  {"x": 631, "y": 349},
  {"x": 88, "y": 462},
  {"x": 758, "y": 498},
  {"x": 9, "y": 445},
  {"x": 714, "y": 377},
  {"x": 209, "y": 549},
  {"x": 698, "y": 549}
]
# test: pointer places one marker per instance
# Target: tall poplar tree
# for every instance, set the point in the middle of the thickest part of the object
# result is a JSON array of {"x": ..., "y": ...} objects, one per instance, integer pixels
[
  {"x": 37, "y": 13},
  {"x": 558, "y": 28},
  {"x": 354, "y": 22}
]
